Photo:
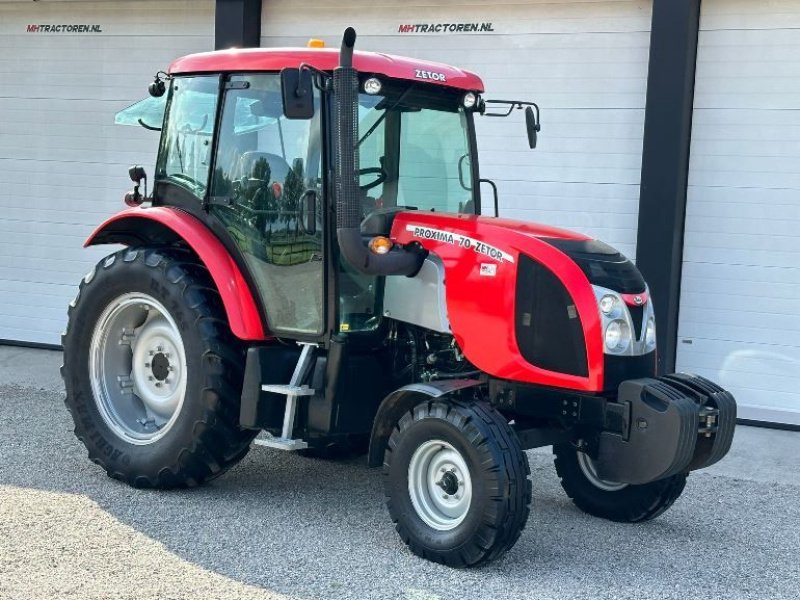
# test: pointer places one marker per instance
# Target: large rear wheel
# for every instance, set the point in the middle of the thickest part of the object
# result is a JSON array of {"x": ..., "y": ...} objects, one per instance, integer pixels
[
  {"x": 456, "y": 482},
  {"x": 152, "y": 373},
  {"x": 612, "y": 500}
]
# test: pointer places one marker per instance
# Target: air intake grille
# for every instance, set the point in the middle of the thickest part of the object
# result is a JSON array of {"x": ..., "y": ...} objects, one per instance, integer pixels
[{"x": 548, "y": 328}]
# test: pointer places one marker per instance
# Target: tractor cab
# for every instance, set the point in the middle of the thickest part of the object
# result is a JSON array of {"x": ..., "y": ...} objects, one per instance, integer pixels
[
  {"x": 314, "y": 271},
  {"x": 237, "y": 153}
]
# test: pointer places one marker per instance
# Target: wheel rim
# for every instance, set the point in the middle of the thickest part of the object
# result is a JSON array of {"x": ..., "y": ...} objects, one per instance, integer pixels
[
  {"x": 137, "y": 368},
  {"x": 440, "y": 485},
  {"x": 590, "y": 472}
]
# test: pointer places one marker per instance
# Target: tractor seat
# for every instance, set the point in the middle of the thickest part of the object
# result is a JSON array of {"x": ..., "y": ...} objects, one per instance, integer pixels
[{"x": 264, "y": 166}]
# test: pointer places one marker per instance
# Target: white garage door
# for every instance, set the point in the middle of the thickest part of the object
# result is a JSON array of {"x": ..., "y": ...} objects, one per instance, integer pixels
[
  {"x": 740, "y": 298},
  {"x": 585, "y": 63},
  {"x": 66, "y": 69}
]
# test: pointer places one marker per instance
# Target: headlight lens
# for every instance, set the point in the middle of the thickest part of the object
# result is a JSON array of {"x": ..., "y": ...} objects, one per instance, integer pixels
[
  {"x": 618, "y": 336},
  {"x": 650, "y": 333},
  {"x": 608, "y": 305},
  {"x": 372, "y": 86}
]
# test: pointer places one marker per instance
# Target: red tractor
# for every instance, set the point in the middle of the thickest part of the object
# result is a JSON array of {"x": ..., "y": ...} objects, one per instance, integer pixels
[{"x": 314, "y": 272}]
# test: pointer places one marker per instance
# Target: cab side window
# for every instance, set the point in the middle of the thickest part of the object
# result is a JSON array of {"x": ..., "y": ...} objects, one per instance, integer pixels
[{"x": 267, "y": 190}]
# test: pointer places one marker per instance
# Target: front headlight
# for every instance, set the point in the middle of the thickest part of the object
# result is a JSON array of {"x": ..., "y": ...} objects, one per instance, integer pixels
[
  {"x": 617, "y": 336},
  {"x": 615, "y": 320},
  {"x": 610, "y": 306}
]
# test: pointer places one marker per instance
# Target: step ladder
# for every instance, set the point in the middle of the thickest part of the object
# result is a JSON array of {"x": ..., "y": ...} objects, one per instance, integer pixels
[{"x": 293, "y": 391}]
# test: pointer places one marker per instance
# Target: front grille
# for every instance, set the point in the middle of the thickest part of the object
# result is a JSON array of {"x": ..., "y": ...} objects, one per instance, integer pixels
[
  {"x": 637, "y": 314},
  {"x": 603, "y": 265},
  {"x": 548, "y": 328}
]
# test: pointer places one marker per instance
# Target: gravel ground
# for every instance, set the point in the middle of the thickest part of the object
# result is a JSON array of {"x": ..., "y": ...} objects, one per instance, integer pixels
[{"x": 280, "y": 526}]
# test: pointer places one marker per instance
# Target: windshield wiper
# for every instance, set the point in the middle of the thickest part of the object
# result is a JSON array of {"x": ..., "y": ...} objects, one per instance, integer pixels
[{"x": 377, "y": 123}]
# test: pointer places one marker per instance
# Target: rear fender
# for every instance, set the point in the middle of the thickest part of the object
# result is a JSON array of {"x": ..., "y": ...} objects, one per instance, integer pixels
[
  {"x": 162, "y": 225},
  {"x": 399, "y": 402}
]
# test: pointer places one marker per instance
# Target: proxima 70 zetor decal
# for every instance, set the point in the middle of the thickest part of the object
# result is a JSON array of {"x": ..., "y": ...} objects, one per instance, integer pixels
[{"x": 458, "y": 239}]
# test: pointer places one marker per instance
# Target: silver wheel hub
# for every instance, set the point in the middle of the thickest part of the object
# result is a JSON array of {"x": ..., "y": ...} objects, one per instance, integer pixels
[
  {"x": 137, "y": 367},
  {"x": 590, "y": 472},
  {"x": 440, "y": 485}
]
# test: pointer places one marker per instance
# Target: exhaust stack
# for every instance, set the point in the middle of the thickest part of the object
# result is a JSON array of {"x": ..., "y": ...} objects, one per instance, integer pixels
[{"x": 398, "y": 261}]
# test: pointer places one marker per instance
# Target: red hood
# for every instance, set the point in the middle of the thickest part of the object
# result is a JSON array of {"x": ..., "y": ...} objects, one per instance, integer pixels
[
  {"x": 534, "y": 229},
  {"x": 481, "y": 256}
]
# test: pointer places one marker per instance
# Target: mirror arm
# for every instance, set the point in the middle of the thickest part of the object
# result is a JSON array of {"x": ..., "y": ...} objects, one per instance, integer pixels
[{"x": 324, "y": 78}]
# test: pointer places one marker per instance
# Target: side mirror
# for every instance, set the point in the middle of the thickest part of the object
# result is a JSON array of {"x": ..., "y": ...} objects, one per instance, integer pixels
[
  {"x": 136, "y": 174},
  {"x": 532, "y": 126},
  {"x": 308, "y": 212},
  {"x": 135, "y": 198},
  {"x": 297, "y": 89},
  {"x": 159, "y": 86}
]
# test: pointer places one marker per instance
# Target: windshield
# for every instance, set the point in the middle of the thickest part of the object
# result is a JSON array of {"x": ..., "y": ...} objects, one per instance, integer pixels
[{"x": 414, "y": 149}]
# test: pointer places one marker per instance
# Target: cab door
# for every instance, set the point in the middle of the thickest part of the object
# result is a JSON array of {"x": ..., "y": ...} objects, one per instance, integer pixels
[{"x": 266, "y": 189}]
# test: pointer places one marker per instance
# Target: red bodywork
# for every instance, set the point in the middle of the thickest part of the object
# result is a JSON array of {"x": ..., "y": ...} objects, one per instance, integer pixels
[
  {"x": 240, "y": 307},
  {"x": 480, "y": 305},
  {"x": 275, "y": 59}
]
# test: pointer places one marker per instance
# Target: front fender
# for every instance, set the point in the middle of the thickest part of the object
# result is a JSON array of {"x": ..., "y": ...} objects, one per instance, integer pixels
[
  {"x": 399, "y": 402},
  {"x": 162, "y": 225}
]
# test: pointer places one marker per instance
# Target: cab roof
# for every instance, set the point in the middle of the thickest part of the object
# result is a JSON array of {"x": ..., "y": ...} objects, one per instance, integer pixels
[{"x": 326, "y": 59}]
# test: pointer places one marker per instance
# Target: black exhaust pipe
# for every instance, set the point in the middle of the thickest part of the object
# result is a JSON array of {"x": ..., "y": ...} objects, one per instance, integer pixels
[{"x": 398, "y": 261}]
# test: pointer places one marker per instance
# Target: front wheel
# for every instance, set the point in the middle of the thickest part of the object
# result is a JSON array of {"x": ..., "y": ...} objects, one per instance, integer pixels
[
  {"x": 612, "y": 500},
  {"x": 456, "y": 482}
]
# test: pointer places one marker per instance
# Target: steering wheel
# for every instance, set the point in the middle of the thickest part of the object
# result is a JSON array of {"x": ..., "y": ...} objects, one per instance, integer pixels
[{"x": 372, "y": 171}]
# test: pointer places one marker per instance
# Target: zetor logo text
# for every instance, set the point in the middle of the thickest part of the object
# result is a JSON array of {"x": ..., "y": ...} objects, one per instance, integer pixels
[
  {"x": 420, "y": 74},
  {"x": 447, "y": 28},
  {"x": 64, "y": 29}
]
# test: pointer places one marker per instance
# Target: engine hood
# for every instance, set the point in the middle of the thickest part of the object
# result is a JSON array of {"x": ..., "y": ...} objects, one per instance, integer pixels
[{"x": 482, "y": 258}]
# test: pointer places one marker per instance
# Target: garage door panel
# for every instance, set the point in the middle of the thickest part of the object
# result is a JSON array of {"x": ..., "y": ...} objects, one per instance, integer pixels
[
  {"x": 744, "y": 240},
  {"x": 746, "y": 318},
  {"x": 721, "y": 256},
  {"x": 740, "y": 308},
  {"x": 36, "y": 331},
  {"x": 739, "y": 319},
  {"x": 753, "y": 359},
  {"x": 715, "y": 220},
  {"x": 752, "y": 180},
  {"x": 736, "y": 334},
  {"x": 63, "y": 162}
]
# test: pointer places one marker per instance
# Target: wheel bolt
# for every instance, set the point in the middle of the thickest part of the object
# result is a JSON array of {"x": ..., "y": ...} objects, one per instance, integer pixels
[
  {"x": 159, "y": 384},
  {"x": 146, "y": 365},
  {"x": 152, "y": 353},
  {"x": 150, "y": 378},
  {"x": 445, "y": 496},
  {"x": 443, "y": 470},
  {"x": 171, "y": 368},
  {"x": 160, "y": 348}
]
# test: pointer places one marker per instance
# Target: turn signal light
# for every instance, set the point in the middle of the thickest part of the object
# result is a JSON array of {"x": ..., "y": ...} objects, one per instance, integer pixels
[
  {"x": 315, "y": 43},
  {"x": 380, "y": 245}
]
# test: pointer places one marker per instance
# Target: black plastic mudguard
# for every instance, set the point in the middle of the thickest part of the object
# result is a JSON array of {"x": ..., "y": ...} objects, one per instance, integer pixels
[{"x": 677, "y": 423}]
